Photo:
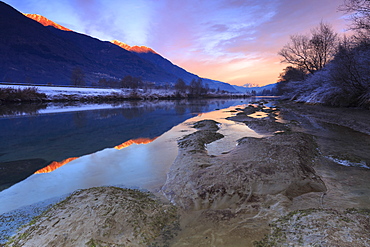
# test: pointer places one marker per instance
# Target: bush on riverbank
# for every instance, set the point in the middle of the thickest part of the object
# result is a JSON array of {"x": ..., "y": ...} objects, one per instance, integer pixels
[
  {"x": 329, "y": 70},
  {"x": 345, "y": 81},
  {"x": 28, "y": 94}
]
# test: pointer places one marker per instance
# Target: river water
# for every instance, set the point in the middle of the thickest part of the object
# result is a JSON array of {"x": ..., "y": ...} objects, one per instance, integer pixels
[{"x": 130, "y": 145}]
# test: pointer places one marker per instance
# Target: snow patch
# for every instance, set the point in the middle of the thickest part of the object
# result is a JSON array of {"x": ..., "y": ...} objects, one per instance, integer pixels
[{"x": 348, "y": 163}]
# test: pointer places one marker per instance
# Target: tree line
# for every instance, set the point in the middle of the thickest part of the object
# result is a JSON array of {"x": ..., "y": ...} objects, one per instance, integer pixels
[
  {"x": 322, "y": 58},
  {"x": 195, "y": 88}
]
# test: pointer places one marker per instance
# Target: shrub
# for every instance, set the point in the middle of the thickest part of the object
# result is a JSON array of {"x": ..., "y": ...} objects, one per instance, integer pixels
[{"x": 28, "y": 94}]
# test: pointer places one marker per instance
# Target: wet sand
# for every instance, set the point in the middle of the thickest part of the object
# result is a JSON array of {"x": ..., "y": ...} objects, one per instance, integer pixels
[{"x": 346, "y": 186}]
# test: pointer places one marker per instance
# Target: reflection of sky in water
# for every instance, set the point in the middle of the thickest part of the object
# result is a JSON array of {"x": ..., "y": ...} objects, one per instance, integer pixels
[
  {"x": 55, "y": 137},
  {"x": 138, "y": 165},
  {"x": 259, "y": 114},
  {"x": 231, "y": 130}
]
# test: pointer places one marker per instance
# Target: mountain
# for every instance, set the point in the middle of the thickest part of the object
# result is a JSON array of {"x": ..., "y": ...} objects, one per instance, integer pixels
[
  {"x": 46, "y": 22},
  {"x": 136, "y": 49},
  {"x": 154, "y": 57},
  {"x": 34, "y": 49},
  {"x": 34, "y": 53},
  {"x": 257, "y": 89}
]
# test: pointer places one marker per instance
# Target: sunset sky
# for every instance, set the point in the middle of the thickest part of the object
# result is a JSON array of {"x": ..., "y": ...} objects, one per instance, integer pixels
[{"x": 234, "y": 41}]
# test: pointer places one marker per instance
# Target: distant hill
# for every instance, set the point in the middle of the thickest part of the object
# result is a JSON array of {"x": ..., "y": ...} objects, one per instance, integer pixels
[
  {"x": 34, "y": 49},
  {"x": 257, "y": 89}
]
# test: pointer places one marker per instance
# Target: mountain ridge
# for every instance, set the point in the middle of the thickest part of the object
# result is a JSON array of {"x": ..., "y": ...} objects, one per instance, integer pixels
[
  {"x": 137, "y": 49},
  {"x": 154, "y": 57},
  {"x": 45, "y": 21},
  {"x": 47, "y": 52}
]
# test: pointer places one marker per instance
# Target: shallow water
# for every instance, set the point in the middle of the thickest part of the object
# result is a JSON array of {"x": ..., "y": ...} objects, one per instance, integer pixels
[
  {"x": 71, "y": 131},
  {"x": 135, "y": 166},
  {"x": 345, "y": 166},
  {"x": 231, "y": 130},
  {"x": 30, "y": 141}
]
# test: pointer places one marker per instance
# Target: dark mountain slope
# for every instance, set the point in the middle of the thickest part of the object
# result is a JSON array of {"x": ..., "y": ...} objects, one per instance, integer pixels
[
  {"x": 110, "y": 61},
  {"x": 31, "y": 52},
  {"x": 46, "y": 22},
  {"x": 152, "y": 56},
  {"x": 25, "y": 46}
]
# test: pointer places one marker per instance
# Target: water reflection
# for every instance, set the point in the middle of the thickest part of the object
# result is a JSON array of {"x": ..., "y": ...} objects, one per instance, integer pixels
[
  {"x": 135, "y": 141},
  {"x": 232, "y": 131},
  {"x": 136, "y": 165},
  {"x": 55, "y": 165},
  {"x": 61, "y": 131},
  {"x": 20, "y": 109}
]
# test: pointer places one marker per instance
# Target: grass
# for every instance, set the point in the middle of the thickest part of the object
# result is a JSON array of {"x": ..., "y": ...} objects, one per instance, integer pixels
[{"x": 29, "y": 94}]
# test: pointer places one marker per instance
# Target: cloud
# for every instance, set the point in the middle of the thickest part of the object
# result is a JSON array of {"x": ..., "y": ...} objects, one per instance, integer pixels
[{"x": 222, "y": 42}]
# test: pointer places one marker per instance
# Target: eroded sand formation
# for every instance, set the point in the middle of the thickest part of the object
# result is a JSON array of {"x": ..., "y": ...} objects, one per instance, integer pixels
[
  {"x": 256, "y": 167},
  {"x": 102, "y": 216}
]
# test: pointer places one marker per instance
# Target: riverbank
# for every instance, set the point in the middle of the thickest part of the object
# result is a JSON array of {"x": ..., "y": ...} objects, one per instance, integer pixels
[
  {"x": 10, "y": 93},
  {"x": 239, "y": 195},
  {"x": 357, "y": 119},
  {"x": 267, "y": 185}
]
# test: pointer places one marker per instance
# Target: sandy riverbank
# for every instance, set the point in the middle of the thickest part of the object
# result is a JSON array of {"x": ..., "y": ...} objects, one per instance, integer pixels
[{"x": 266, "y": 185}]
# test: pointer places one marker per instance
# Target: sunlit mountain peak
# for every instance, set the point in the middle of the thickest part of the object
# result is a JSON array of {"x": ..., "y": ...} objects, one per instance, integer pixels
[
  {"x": 137, "y": 49},
  {"x": 142, "y": 49},
  {"x": 121, "y": 44},
  {"x": 45, "y": 21}
]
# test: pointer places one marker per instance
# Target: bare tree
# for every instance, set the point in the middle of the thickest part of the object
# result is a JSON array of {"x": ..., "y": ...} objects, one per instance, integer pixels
[
  {"x": 196, "y": 87},
  {"x": 131, "y": 82},
  {"x": 311, "y": 52},
  {"x": 78, "y": 77},
  {"x": 324, "y": 45},
  {"x": 180, "y": 86},
  {"x": 292, "y": 74},
  {"x": 360, "y": 14},
  {"x": 350, "y": 72}
]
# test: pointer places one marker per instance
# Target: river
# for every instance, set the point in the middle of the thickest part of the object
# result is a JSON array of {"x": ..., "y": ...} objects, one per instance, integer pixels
[
  {"x": 133, "y": 145},
  {"x": 106, "y": 142}
]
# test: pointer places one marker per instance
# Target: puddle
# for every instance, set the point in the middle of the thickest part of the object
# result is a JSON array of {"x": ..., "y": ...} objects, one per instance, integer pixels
[
  {"x": 231, "y": 130},
  {"x": 259, "y": 114}
]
